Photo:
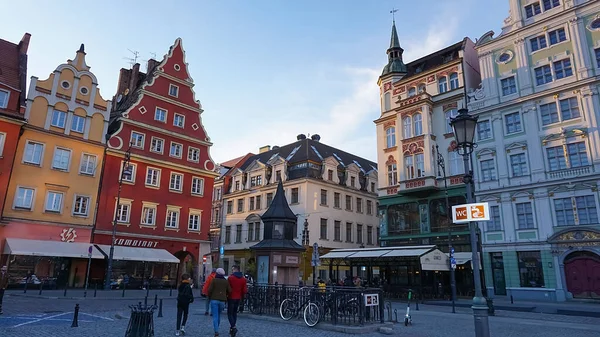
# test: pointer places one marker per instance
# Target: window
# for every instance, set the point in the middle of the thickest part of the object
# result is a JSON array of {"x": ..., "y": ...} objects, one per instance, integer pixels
[
  {"x": 148, "y": 215},
  {"x": 2, "y": 141},
  {"x": 173, "y": 90},
  {"x": 597, "y": 54},
  {"x": 160, "y": 115},
  {"x": 488, "y": 170},
  {"x": 269, "y": 199},
  {"x": 415, "y": 166},
  {"x": 193, "y": 154},
  {"x": 172, "y": 219},
  {"x": 178, "y": 120},
  {"x": 531, "y": 271},
  {"x": 409, "y": 166},
  {"x": 238, "y": 233},
  {"x": 197, "y": 186},
  {"x": 194, "y": 223},
  {"x": 418, "y": 122},
  {"x": 229, "y": 207},
  {"x": 152, "y": 177},
  {"x": 449, "y": 115},
  {"x": 518, "y": 164},
  {"x": 407, "y": 127},
  {"x": 443, "y": 84},
  {"x": 369, "y": 207},
  {"x": 176, "y": 182},
  {"x": 81, "y": 205},
  {"x": 123, "y": 213},
  {"x": 524, "y": 215},
  {"x": 240, "y": 205},
  {"x": 369, "y": 235},
  {"x": 352, "y": 181},
  {"x": 420, "y": 165},
  {"x": 557, "y": 36},
  {"x": 359, "y": 205},
  {"x": 456, "y": 163},
  {"x": 129, "y": 174},
  {"x": 569, "y": 108},
  {"x": 549, "y": 4},
  {"x": 392, "y": 175},
  {"x": 387, "y": 104},
  {"x": 336, "y": 200},
  {"x": 348, "y": 203},
  {"x": 412, "y": 91},
  {"x": 61, "y": 159},
  {"x": 257, "y": 231},
  {"x": 255, "y": 181},
  {"x": 543, "y": 74},
  {"x": 24, "y": 198},
  {"x": 549, "y": 113},
  {"x": 330, "y": 173},
  {"x": 453, "y": 81},
  {"x": 250, "y": 231},
  {"x": 324, "y": 197},
  {"x": 390, "y": 136},
  {"x": 563, "y": 69},
  {"x": 78, "y": 124},
  {"x": 227, "y": 234},
  {"x": 294, "y": 195},
  {"x": 538, "y": 42},
  {"x": 33, "y": 153},
  {"x": 509, "y": 86},
  {"x": 337, "y": 230},
  {"x": 237, "y": 185},
  {"x": 59, "y": 118},
  {"x": 3, "y": 99},
  {"x": 348, "y": 231},
  {"x": 251, "y": 205},
  {"x": 359, "y": 233},
  {"x": 137, "y": 140},
  {"x": 584, "y": 206},
  {"x": 54, "y": 202},
  {"x": 323, "y": 229},
  {"x": 372, "y": 187},
  {"x": 494, "y": 224},
  {"x": 157, "y": 145},
  {"x": 176, "y": 150},
  {"x": 576, "y": 156},
  {"x": 512, "y": 122},
  {"x": 484, "y": 130}
]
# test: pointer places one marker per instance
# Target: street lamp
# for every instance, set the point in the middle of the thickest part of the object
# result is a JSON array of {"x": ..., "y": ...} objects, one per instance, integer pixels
[
  {"x": 442, "y": 167},
  {"x": 126, "y": 171},
  {"x": 464, "y": 131},
  {"x": 306, "y": 244}
]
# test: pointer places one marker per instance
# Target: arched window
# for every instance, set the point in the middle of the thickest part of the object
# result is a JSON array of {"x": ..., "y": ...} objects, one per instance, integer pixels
[
  {"x": 421, "y": 88},
  {"x": 443, "y": 84},
  {"x": 390, "y": 137},
  {"x": 453, "y": 81},
  {"x": 407, "y": 127},
  {"x": 412, "y": 91},
  {"x": 392, "y": 174},
  {"x": 418, "y": 123},
  {"x": 449, "y": 115}
]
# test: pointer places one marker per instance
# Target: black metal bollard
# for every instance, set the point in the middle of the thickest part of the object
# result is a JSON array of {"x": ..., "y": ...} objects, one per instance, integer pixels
[
  {"x": 512, "y": 301},
  {"x": 41, "y": 286},
  {"x": 146, "y": 301},
  {"x": 25, "y": 289},
  {"x": 65, "y": 294},
  {"x": 171, "y": 291},
  {"x": 95, "y": 289},
  {"x": 160, "y": 309},
  {"x": 75, "y": 323},
  {"x": 417, "y": 301},
  {"x": 155, "y": 299},
  {"x": 396, "y": 316}
]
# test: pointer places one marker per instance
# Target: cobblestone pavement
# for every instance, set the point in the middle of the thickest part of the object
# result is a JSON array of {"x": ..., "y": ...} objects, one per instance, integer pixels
[{"x": 52, "y": 318}]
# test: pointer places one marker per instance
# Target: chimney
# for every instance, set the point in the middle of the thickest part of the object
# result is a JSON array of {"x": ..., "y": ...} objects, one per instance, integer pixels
[
  {"x": 23, "y": 47},
  {"x": 151, "y": 64},
  {"x": 24, "y": 44},
  {"x": 264, "y": 149},
  {"x": 301, "y": 136},
  {"x": 315, "y": 137}
]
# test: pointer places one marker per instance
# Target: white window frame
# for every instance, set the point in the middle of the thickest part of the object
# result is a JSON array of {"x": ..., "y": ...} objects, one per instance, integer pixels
[
  {"x": 416, "y": 122},
  {"x": 506, "y": 77},
  {"x": 487, "y": 158},
  {"x": 87, "y": 208},
  {"x": 41, "y": 155},
  {"x": 564, "y": 143},
  {"x": 516, "y": 214},
  {"x": 407, "y": 127},
  {"x": 75, "y": 117},
  {"x": 5, "y": 104},
  {"x": 190, "y": 150},
  {"x": 60, "y": 148},
  {"x": 504, "y": 125},
  {"x": 152, "y": 149},
  {"x": 133, "y": 173},
  {"x": 62, "y": 201},
  {"x": 175, "y": 115},
  {"x": 2, "y": 142},
  {"x": 157, "y": 185},
  {"x": 390, "y": 137},
  {"x": 201, "y": 188},
  {"x": 448, "y": 115},
  {"x": 488, "y": 120},
  {"x": 54, "y": 111},
  {"x": 512, "y": 153},
  {"x": 412, "y": 91},
  {"x": 450, "y": 81},
  {"x": 444, "y": 83},
  {"x": 572, "y": 195},
  {"x": 176, "y": 210},
  {"x": 457, "y": 160},
  {"x": 156, "y": 113},
  {"x": 150, "y": 206},
  {"x": 546, "y": 34},
  {"x": 134, "y": 144},
  {"x": 173, "y": 179},
  {"x": 193, "y": 213},
  {"x": 176, "y": 87},
  {"x": 118, "y": 213},
  {"x": 32, "y": 201},
  {"x": 180, "y": 152}
]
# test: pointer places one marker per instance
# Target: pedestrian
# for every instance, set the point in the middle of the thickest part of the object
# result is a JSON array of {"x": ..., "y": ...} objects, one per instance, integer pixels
[
  {"x": 239, "y": 288},
  {"x": 218, "y": 292},
  {"x": 185, "y": 296},
  {"x": 3, "y": 284},
  {"x": 209, "y": 278}
]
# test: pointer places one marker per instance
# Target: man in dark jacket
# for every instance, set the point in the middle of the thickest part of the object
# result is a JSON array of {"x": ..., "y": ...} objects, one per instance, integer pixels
[
  {"x": 3, "y": 284},
  {"x": 239, "y": 288},
  {"x": 218, "y": 292},
  {"x": 185, "y": 296}
]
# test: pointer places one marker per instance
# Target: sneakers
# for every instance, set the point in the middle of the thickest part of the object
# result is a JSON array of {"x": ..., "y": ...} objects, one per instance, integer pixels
[
  {"x": 233, "y": 331},
  {"x": 177, "y": 333},
  {"x": 182, "y": 331}
]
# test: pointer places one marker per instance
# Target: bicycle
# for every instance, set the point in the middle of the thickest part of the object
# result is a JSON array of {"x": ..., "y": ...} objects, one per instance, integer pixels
[
  {"x": 316, "y": 310},
  {"x": 291, "y": 307}
]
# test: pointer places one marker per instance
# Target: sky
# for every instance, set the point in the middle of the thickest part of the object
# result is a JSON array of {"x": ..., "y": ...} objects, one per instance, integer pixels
[{"x": 264, "y": 70}]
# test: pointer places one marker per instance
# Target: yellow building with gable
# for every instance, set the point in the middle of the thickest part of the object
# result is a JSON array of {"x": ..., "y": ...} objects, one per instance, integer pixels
[{"x": 50, "y": 204}]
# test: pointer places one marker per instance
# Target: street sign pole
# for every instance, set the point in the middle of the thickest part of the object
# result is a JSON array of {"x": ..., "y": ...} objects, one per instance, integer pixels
[{"x": 87, "y": 273}]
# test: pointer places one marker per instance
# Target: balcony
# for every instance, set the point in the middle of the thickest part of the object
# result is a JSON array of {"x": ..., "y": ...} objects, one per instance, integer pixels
[
  {"x": 419, "y": 184},
  {"x": 569, "y": 173}
]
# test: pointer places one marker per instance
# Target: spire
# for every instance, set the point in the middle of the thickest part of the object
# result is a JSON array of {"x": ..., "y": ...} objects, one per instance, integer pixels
[
  {"x": 395, "y": 64},
  {"x": 394, "y": 41},
  {"x": 279, "y": 208},
  {"x": 81, "y": 49}
]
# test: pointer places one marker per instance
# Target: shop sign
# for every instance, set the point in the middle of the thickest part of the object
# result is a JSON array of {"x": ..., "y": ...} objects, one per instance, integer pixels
[
  {"x": 68, "y": 235},
  {"x": 136, "y": 243}
]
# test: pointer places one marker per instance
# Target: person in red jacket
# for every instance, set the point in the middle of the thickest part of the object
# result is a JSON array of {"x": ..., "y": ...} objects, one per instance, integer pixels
[
  {"x": 239, "y": 288},
  {"x": 209, "y": 279}
]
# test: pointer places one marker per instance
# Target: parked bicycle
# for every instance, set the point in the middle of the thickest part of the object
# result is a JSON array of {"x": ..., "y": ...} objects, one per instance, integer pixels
[{"x": 291, "y": 307}]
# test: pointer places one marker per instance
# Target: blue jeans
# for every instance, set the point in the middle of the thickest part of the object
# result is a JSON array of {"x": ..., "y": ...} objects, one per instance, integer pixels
[
  {"x": 207, "y": 309},
  {"x": 216, "y": 307}
]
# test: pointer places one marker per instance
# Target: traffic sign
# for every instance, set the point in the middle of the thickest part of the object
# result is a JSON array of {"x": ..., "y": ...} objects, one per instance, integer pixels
[
  {"x": 451, "y": 250},
  {"x": 453, "y": 266},
  {"x": 471, "y": 212},
  {"x": 222, "y": 250},
  {"x": 90, "y": 251},
  {"x": 453, "y": 260}
]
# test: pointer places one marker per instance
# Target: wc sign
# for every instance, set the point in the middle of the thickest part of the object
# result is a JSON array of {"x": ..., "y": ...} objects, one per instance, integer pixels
[{"x": 471, "y": 212}]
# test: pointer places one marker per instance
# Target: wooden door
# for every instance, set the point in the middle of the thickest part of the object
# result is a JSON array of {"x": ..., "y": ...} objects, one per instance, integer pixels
[{"x": 582, "y": 272}]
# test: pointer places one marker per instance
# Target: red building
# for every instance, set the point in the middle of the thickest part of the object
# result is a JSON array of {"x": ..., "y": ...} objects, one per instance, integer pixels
[
  {"x": 165, "y": 204},
  {"x": 13, "y": 77}
]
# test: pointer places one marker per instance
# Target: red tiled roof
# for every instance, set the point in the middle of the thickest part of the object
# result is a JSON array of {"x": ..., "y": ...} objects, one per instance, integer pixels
[
  {"x": 233, "y": 162},
  {"x": 9, "y": 64}
]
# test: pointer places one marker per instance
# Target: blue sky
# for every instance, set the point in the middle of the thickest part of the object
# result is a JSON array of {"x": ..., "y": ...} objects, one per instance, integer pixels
[{"x": 264, "y": 70}]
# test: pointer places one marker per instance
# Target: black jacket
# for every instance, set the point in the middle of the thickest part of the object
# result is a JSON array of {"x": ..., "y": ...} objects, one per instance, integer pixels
[{"x": 185, "y": 294}]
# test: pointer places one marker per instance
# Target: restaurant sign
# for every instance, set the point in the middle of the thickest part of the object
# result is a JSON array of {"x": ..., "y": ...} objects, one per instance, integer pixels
[{"x": 136, "y": 243}]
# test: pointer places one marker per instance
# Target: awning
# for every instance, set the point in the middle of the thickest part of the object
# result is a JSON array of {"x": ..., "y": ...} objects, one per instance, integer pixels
[
  {"x": 50, "y": 248},
  {"x": 368, "y": 254},
  {"x": 338, "y": 254},
  {"x": 435, "y": 260},
  {"x": 464, "y": 257},
  {"x": 122, "y": 253},
  {"x": 407, "y": 252}
]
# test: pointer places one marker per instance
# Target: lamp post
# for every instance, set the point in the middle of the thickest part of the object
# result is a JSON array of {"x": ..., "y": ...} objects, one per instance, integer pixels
[
  {"x": 306, "y": 244},
  {"x": 464, "y": 131},
  {"x": 442, "y": 166},
  {"x": 126, "y": 170}
]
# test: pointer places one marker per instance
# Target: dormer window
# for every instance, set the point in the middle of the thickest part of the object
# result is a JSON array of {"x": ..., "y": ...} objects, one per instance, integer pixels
[
  {"x": 237, "y": 185},
  {"x": 352, "y": 181},
  {"x": 330, "y": 175},
  {"x": 278, "y": 175},
  {"x": 256, "y": 181}
]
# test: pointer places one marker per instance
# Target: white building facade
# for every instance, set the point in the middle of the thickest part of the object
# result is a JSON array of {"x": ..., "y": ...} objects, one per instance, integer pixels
[{"x": 538, "y": 157}]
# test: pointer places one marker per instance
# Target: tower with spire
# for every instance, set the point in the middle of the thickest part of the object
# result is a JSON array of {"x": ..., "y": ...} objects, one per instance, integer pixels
[{"x": 393, "y": 71}]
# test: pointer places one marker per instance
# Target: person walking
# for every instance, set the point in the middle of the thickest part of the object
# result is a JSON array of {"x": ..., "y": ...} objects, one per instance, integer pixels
[
  {"x": 3, "y": 284},
  {"x": 209, "y": 278},
  {"x": 239, "y": 288},
  {"x": 218, "y": 292},
  {"x": 185, "y": 296}
]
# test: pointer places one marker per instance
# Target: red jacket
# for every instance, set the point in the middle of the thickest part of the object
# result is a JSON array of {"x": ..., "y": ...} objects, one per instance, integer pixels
[
  {"x": 239, "y": 288},
  {"x": 209, "y": 279}
]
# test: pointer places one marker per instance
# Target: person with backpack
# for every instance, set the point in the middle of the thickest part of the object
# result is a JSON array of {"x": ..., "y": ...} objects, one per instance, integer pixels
[
  {"x": 209, "y": 279},
  {"x": 218, "y": 292},
  {"x": 185, "y": 296}
]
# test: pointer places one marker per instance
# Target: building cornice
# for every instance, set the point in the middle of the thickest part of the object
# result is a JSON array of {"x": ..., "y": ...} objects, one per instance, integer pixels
[
  {"x": 61, "y": 135},
  {"x": 592, "y": 178},
  {"x": 165, "y": 132}
]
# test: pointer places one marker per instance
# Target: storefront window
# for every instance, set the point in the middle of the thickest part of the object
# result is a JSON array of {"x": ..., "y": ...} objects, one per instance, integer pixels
[
  {"x": 404, "y": 219},
  {"x": 530, "y": 269},
  {"x": 440, "y": 214}
]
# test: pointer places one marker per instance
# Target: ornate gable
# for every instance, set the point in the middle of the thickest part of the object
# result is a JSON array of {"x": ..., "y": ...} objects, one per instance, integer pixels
[
  {"x": 331, "y": 161},
  {"x": 255, "y": 166}
]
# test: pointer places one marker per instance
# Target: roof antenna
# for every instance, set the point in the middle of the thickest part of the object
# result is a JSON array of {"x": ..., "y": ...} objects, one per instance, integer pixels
[
  {"x": 132, "y": 60},
  {"x": 394, "y": 10}
]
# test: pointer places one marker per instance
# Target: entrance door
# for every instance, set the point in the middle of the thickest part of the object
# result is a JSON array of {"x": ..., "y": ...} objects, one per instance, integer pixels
[
  {"x": 498, "y": 274},
  {"x": 582, "y": 272}
]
